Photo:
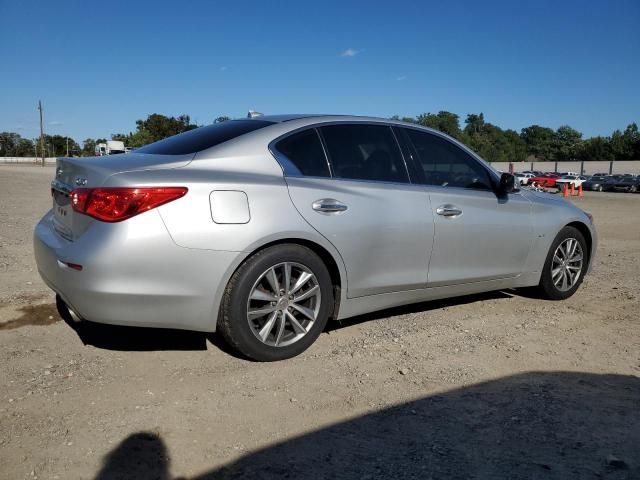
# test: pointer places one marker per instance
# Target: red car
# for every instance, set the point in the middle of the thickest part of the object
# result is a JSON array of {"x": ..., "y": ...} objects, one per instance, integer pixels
[{"x": 545, "y": 180}]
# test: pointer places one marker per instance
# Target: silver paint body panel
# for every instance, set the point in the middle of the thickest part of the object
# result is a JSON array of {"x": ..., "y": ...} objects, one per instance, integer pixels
[{"x": 168, "y": 267}]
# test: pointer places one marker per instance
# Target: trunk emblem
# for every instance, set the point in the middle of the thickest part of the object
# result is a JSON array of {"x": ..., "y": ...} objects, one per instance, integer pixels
[
  {"x": 81, "y": 181},
  {"x": 59, "y": 171}
]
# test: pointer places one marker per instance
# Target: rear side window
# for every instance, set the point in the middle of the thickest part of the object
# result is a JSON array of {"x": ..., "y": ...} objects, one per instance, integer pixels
[
  {"x": 364, "y": 152},
  {"x": 203, "y": 137},
  {"x": 304, "y": 150},
  {"x": 447, "y": 165}
]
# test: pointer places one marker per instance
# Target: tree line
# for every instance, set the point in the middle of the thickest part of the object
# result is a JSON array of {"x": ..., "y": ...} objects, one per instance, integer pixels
[
  {"x": 489, "y": 141},
  {"x": 545, "y": 144}
]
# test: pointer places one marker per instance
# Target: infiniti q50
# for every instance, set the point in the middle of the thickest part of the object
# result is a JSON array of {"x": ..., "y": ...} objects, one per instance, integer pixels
[{"x": 263, "y": 229}]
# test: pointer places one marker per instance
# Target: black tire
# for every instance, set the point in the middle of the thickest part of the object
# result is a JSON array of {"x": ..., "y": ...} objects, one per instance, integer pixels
[
  {"x": 600, "y": 188},
  {"x": 233, "y": 323},
  {"x": 546, "y": 287}
]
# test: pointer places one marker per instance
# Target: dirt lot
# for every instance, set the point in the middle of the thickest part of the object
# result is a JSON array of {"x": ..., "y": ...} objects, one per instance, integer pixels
[{"x": 491, "y": 386}]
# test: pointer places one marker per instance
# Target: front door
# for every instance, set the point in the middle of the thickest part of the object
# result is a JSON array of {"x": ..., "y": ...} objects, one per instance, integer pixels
[{"x": 478, "y": 234}]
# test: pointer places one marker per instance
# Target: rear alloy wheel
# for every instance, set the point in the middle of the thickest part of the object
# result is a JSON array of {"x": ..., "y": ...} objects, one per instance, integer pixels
[
  {"x": 600, "y": 188},
  {"x": 633, "y": 189},
  {"x": 283, "y": 304},
  {"x": 276, "y": 303},
  {"x": 565, "y": 265}
]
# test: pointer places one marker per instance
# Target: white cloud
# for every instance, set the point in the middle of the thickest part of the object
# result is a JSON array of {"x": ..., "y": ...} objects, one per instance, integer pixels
[
  {"x": 400, "y": 78},
  {"x": 56, "y": 123},
  {"x": 223, "y": 68},
  {"x": 350, "y": 52}
]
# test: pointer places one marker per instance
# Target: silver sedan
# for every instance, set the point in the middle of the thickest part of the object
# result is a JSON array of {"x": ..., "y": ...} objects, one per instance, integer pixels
[{"x": 265, "y": 228}]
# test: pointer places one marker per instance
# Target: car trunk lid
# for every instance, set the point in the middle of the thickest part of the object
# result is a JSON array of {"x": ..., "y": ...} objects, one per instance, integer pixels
[{"x": 91, "y": 172}]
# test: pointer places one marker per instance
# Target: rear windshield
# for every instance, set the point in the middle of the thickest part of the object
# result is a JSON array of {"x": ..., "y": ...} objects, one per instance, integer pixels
[{"x": 203, "y": 137}]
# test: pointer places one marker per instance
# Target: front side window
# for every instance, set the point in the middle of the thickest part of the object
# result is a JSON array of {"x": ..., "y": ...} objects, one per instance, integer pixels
[
  {"x": 304, "y": 150},
  {"x": 364, "y": 152},
  {"x": 447, "y": 165}
]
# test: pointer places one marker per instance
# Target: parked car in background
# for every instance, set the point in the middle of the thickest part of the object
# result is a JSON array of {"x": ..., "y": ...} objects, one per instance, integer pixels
[
  {"x": 597, "y": 183},
  {"x": 600, "y": 175},
  {"x": 546, "y": 180},
  {"x": 262, "y": 229},
  {"x": 625, "y": 183},
  {"x": 569, "y": 180},
  {"x": 524, "y": 178}
]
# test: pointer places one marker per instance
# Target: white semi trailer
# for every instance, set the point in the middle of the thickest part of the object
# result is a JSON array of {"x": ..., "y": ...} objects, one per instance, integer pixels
[{"x": 110, "y": 147}]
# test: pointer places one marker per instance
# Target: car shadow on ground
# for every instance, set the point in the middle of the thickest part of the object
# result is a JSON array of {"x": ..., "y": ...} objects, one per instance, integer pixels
[
  {"x": 552, "y": 425},
  {"x": 125, "y": 338},
  {"x": 422, "y": 307}
]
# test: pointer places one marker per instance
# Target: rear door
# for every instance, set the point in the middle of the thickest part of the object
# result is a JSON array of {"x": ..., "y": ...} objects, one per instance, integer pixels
[
  {"x": 350, "y": 182},
  {"x": 478, "y": 235}
]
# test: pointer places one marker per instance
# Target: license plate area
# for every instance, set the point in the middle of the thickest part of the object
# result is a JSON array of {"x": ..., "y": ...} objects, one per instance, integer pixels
[{"x": 62, "y": 211}]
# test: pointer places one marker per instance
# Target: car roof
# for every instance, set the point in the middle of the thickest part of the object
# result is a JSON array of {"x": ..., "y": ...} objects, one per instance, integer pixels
[{"x": 324, "y": 117}]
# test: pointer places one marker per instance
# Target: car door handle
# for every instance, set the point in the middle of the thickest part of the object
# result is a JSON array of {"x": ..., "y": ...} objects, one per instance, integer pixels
[
  {"x": 328, "y": 205},
  {"x": 448, "y": 211}
]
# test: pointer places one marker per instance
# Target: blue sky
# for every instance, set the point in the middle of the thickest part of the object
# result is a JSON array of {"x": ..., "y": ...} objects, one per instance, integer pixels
[{"x": 99, "y": 66}]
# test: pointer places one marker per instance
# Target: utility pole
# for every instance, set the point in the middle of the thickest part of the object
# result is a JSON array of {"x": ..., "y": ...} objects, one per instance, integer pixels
[
  {"x": 41, "y": 132},
  {"x": 67, "y": 146}
]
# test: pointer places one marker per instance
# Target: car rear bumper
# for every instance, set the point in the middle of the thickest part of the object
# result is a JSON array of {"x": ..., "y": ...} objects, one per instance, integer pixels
[{"x": 134, "y": 274}]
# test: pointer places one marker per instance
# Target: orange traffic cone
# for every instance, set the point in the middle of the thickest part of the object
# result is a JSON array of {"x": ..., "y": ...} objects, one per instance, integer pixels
[
  {"x": 572, "y": 190},
  {"x": 580, "y": 190},
  {"x": 565, "y": 190}
]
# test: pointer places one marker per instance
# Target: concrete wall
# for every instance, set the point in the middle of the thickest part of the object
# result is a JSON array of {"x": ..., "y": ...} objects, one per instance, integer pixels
[
  {"x": 587, "y": 168},
  {"x": 27, "y": 160}
]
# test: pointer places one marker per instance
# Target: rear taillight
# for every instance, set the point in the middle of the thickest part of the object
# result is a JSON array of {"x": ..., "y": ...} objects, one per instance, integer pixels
[{"x": 117, "y": 204}]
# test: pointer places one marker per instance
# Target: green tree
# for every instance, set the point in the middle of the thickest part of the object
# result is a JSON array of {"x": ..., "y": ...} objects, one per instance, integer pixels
[
  {"x": 566, "y": 143},
  {"x": 595, "y": 148},
  {"x": 443, "y": 121},
  {"x": 160, "y": 127},
  {"x": 539, "y": 141}
]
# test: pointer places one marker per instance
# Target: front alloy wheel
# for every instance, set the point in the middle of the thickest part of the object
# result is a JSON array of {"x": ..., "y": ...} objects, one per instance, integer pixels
[{"x": 565, "y": 266}]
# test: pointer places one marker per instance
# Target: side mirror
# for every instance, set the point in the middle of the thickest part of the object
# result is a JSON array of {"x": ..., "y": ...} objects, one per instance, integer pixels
[{"x": 508, "y": 184}]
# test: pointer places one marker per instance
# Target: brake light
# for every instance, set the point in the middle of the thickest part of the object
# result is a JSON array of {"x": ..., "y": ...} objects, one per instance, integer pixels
[{"x": 119, "y": 203}]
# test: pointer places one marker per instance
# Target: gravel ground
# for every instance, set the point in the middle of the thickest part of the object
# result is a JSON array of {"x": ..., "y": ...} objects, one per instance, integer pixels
[{"x": 500, "y": 385}]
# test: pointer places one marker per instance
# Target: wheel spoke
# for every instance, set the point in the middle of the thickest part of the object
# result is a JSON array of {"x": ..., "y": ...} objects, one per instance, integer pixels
[
  {"x": 287, "y": 277},
  {"x": 307, "y": 312},
  {"x": 309, "y": 293},
  {"x": 555, "y": 272},
  {"x": 263, "y": 296},
  {"x": 268, "y": 326},
  {"x": 556, "y": 258},
  {"x": 260, "y": 312},
  {"x": 302, "y": 279},
  {"x": 565, "y": 283},
  {"x": 281, "y": 323},
  {"x": 272, "y": 278},
  {"x": 576, "y": 258},
  {"x": 295, "y": 324}
]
